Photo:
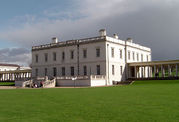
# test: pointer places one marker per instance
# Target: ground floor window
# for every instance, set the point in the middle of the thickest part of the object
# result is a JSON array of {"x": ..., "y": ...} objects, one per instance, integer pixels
[
  {"x": 63, "y": 71},
  {"x": 36, "y": 72},
  {"x": 45, "y": 72},
  {"x": 54, "y": 71},
  {"x": 84, "y": 70},
  {"x": 113, "y": 71},
  {"x": 121, "y": 69},
  {"x": 72, "y": 71},
  {"x": 98, "y": 72}
]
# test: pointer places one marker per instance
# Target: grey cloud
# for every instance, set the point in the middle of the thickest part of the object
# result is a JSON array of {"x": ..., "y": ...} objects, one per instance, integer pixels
[
  {"x": 20, "y": 56},
  {"x": 153, "y": 23}
]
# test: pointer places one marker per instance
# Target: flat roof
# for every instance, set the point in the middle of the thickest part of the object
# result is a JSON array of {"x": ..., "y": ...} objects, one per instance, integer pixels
[
  {"x": 151, "y": 63},
  {"x": 9, "y": 65}
]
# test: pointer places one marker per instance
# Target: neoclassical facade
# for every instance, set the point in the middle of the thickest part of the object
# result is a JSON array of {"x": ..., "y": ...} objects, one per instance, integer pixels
[{"x": 100, "y": 56}]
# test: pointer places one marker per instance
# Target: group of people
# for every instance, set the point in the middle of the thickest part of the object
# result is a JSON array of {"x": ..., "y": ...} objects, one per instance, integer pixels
[{"x": 35, "y": 85}]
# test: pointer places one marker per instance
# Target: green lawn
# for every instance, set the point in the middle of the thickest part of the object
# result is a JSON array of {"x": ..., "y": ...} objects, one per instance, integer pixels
[{"x": 143, "y": 101}]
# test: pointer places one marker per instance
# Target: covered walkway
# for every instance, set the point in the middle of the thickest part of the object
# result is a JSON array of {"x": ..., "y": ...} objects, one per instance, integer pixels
[{"x": 153, "y": 69}]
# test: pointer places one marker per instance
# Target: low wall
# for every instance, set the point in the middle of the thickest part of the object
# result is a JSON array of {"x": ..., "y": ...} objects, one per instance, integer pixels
[
  {"x": 98, "y": 82},
  {"x": 72, "y": 83},
  {"x": 19, "y": 83}
]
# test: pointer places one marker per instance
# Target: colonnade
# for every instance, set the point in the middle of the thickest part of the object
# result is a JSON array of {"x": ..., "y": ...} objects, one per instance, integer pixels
[
  {"x": 155, "y": 70},
  {"x": 14, "y": 75}
]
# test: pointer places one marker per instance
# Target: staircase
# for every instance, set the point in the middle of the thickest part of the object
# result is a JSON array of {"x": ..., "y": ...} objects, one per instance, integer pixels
[
  {"x": 49, "y": 83},
  {"x": 28, "y": 83}
]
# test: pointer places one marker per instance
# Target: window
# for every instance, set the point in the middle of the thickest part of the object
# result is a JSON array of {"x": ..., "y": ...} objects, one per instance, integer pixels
[
  {"x": 120, "y": 52},
  {"x": 129, "y": 55},
  {"x": 121, "y": 70},
  {"x": 36, "y": 72},
  {"x": 113, "y": 71},
  {"x": 97, "y": 52},
  {"x": 147, "y": 58},
  {"x": 63, "y": 55},
  {"x": 36, "y": 58},
  {"x": 84, "y": 70},
  {"x": 45, "y": 72},
  {"x": 98, "y": 72},
  {"x": 137, "y": 56},
  {"x": 46, "y": 57},
  {"x": 141, "y": 57},
  {"x": 54, "y": 71},
  {"x": 63, "y": 71},
  {"x": 54, "y": 56},
  {"x": 84, "y": 53},
  {"x": 112, "y": 52},
  {"x": 72, "y": 54},
  {"x": 133, "y": 55},
  {"x": 72, "y": 71}
]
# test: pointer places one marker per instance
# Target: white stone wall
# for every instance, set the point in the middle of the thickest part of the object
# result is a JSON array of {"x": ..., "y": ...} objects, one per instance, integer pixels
[{"x": 90, "y": 61}]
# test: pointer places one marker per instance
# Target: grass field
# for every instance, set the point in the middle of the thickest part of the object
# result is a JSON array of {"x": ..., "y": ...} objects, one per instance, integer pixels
[{"x": 143, "y": 101}]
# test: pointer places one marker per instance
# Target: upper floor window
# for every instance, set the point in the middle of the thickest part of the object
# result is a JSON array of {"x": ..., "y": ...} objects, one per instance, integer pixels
[
  {"x": 72, "y": 54},
  {"x": 84, "y": 53},
  {"x": 112, "y": 52},
  {"x": 46, "y": 57},
  {"x": 63, "y": 71},
  {"x": 98, "y": 71},
  {"x": 133, "y": 55},
  {"x": 97, "y": 52},
  {"x": 72, "y": 71},
  {"x": 141, "y": 57},
  {"x": 63, "y": 55},
  {"x": 113, "y": 71},
  {"x": 147, "y": 58},
  {"x": 54, "y": 56},
  {"x": 84, "y": 70},
  {"x": 120, "y": 53},
  {"x": 137, "y": 56},
  {"x": 129, "y": 55},
  {"x": 36, "y": 58}
]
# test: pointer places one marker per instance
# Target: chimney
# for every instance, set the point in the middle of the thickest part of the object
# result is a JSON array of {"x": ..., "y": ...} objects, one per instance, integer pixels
[
  {"x": 54, "y": 40},
  {"x": 102, "y": 32},
  {"x": 115, "y": 36},
  {"x": 129, "y": 40}
]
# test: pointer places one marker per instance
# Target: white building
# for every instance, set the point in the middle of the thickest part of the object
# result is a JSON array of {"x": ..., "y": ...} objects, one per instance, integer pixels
[{"x": 97, "y": 57}]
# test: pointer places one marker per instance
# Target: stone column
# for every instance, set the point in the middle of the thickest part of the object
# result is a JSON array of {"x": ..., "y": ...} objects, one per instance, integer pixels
[
  {"x": 162, "y": 70},
  {"x": 154, "y": 70},
  {"x": 144, "y": 71},
  {"x": 135, "y": 68},
  {"x": 169, "y": 70},
  {"x": 176, "y": 70}
]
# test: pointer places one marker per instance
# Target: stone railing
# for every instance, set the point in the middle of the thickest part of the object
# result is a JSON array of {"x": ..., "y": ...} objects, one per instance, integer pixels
[
  {"x": 69, "y": 42},
  {"x": 97, "y": 77},
  {"x": 82, "y": 77},
  {"x": 72, "y": 77}
]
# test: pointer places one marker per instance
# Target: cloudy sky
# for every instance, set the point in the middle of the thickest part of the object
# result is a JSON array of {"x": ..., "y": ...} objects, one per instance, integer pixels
[{"x": 24, "y": 23}]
